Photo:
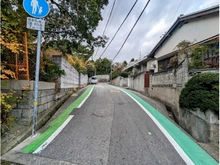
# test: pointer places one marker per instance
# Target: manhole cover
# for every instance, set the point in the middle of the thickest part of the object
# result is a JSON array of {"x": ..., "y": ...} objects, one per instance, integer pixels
[{"x": 102, "y": 112}]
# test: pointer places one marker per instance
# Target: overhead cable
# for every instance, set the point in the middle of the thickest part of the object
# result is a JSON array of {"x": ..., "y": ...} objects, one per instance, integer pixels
[
  {"x": 109, "y": 17},
  {"x": 106, "y": 24},
  {"x": 119, "y": 28},
  {"x": 131, "y": 29}
]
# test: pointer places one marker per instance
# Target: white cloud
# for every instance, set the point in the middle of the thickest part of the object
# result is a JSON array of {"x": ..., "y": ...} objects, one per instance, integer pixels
[
  {"x": 157, "y": 29},
  {"x": 208, "y": 3},
  {"x": 155, "y": 21}
]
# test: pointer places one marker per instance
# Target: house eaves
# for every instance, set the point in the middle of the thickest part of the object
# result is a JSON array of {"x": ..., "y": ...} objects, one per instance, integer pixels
[
  {"x": 130, "y": 66},
  {"x": 145, "y": 60},
  {"x": 176, "y": 51},
  {"x": 180, "y": 21}
]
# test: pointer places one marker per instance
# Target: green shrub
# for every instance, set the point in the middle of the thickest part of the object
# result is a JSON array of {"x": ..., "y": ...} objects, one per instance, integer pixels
[
  {"x": 124, "y": 74},
  {"x": 201, "y": 91}
]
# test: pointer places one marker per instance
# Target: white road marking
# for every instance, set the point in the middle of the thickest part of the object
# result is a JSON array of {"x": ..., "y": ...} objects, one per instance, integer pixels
[
  {"x": 179, "y": 150},
  {"x": 50, "y": 139},
  {"x": 85, "y": 98},
  {"x": 47, "y": 142}
]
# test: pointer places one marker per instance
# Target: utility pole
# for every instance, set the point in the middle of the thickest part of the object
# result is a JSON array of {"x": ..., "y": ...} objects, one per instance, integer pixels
[{"x": 111, "y": 71}]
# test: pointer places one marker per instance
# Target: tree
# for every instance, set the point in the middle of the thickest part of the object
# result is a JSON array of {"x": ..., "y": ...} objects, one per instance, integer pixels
[
  {"x": 132, "y": 60},
  {"x": 70, "y": 25},
  {"x": 13, "y": 28},
  {"x": 103, "y": 66},
  {"x": 197, "y": 57},
  {"x": 80, "y": 64},
  {"x": 125, "y": 63}
]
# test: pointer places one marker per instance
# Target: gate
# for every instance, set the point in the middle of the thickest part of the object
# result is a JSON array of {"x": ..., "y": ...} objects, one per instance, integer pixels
[{"x": 147, "y": 80}]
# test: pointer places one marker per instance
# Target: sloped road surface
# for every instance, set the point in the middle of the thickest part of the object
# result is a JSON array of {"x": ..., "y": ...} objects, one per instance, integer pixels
[{"x": 110, "y": 128}]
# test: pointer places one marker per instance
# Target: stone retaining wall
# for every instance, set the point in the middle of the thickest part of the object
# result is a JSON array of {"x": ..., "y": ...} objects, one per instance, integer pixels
[
  {"x": 202, "y": 126},
  {"x": 23, "y": 109}
]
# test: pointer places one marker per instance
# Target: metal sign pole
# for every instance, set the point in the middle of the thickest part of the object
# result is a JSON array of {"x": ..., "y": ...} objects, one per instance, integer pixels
[
  {"x": 36, "y": 83},
  {"x": 37, "y": 9}
]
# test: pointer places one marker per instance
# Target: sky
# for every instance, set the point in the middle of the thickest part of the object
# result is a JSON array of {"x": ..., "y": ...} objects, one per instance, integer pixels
[{"x": 157, "y": 18}]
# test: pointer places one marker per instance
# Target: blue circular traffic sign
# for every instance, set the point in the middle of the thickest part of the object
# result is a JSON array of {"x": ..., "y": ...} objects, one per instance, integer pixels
[{"x": 36, "y": 8}]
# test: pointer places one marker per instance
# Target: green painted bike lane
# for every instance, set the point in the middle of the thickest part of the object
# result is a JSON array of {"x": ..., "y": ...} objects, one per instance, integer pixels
[
  {"x": 56, "y": 123},
  {"x": 192, "y": 150}
]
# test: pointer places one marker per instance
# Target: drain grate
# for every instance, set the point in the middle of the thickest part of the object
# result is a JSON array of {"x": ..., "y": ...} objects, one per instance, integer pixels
[{"x": 102, "y": 112}]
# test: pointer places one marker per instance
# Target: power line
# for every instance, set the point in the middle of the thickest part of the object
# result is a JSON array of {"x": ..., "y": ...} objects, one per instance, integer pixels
[
  {"x": 131, "y": 29},
  {"x": 106, "y": 25},
  {"x": 119, "y": 28},
  {"x": 109, "y": 17},
  {"x": 176, "y": 10}
]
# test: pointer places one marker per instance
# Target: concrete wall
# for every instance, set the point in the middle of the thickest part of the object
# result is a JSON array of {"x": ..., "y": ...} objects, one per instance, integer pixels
[
  {"x": 84, "y": 79},
  {"x": 49, "y": 99},
  {"x": 166, "y": 86},
  {"x": 195, "y": 30},
  {"x": 137, "y": 82},
  {"x": 72, "y": 77},
  {"x": 152, "y": 65},
  {"x": 120, "y": 81},
  {"x": 202, "y": 126},
  {"x": 103, "y": 78},
  {"x": 23, "y": 110},
  {"x": 47, "y": 93}
]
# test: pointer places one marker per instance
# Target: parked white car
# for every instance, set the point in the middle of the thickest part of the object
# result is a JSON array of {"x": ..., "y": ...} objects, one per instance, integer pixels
[{"x": 94, "y": 80}]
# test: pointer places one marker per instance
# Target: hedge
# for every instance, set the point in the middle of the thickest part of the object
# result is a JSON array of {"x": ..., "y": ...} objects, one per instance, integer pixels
[{"x": 201, "y": 91}]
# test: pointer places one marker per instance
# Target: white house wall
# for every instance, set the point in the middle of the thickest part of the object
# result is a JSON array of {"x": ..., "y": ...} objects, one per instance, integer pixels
[
  {"x": 195, "y": 30},
  {"x": 152, "y": 65}
]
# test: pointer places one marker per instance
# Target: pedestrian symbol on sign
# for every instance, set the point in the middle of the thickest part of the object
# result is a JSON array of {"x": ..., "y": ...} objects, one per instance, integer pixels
[
  {"x": 36, "y": 8},
  {"x": 34, "y": 4},
  {"x": 40, "y": 10}
]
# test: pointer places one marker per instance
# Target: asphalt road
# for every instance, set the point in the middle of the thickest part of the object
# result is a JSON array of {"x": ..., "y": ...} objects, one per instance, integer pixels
[{"x": 126, "y": 136}]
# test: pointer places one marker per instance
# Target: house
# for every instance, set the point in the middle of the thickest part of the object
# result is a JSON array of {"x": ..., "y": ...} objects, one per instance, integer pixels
[
  {"x": 196, "y": 28},
  {"x": 199, "y": 27},
  {"x": 163, "y": 73},
  {"x": 153, "y": 74}
]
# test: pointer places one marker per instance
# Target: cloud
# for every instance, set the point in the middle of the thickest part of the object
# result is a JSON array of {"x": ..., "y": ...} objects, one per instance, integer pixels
[
  {"x": 155, "y": 21},
  {"x": 208, "y": 4}
]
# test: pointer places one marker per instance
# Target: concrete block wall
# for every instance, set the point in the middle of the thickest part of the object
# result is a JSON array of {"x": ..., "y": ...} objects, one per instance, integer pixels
[
  {"x": 103, "y": 78},
  {"x": 84, "y": 79},
  {"x": 72, "y": 77},
  {"x": 23, "y": 109},
  {"x": 162, "y": 79},
  {"x": 138, "y": 82},
  {"x": 120, "y": 81}
]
